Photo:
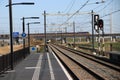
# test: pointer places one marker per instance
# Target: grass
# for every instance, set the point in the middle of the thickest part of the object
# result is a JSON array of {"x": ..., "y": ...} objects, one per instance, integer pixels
[{"x": 114, "y": 45}]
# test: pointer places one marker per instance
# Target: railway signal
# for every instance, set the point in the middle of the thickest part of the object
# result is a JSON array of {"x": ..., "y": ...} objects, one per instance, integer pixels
[
  {"x": 96, "y": 20},
  {"x": 100, "y": 24}
]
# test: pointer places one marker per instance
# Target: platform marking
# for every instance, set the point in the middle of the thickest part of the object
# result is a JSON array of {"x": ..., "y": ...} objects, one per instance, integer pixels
[
  {"x": 63, "y": 68},
  {"x": 11, "y": 71},
  {"x": 50, "y": 67},
  {"x": 31, "y": 67},
  {"x": 37, "y": 70}
]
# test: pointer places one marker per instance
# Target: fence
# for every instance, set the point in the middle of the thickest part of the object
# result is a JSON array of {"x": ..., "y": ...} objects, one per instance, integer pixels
[{"x": 5, "y": 60}]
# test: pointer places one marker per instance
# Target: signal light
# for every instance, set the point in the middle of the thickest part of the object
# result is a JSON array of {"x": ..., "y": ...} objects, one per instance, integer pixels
[
  {"x": 100, "y": 24},
  {"x": 96, "y": 19}
]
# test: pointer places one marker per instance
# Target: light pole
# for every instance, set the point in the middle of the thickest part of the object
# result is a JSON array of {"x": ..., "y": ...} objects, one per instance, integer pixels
[
  {"x": 11, "y": 30},
  {"x": 23, "y": 25},
  {"x": 45, "y": 31},
  {"x": 11, "y": 27},
  {"x": 29, "y": 32}
]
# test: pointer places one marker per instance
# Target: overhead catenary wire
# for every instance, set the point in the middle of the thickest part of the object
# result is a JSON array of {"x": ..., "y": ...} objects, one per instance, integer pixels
[
  {"x": 110, "y": 13},
  {"x": 76, "y": 12},
  {"x": 69, "y": 6},
  {"x": 105, "y": 6},
  {"x": 2, "y": 3},
  {"x": 101, "y": 5}
]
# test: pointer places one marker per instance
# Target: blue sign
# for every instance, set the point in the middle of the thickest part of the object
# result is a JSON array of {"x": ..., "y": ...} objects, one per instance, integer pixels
[
  {"x": 23, "y": 35},
  {"x": 15, "y": 34},
  {"x": 33, "y": 48}
]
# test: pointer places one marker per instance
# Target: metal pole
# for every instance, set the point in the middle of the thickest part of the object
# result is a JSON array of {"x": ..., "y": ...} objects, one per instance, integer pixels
[
  {"x": 29, "y": 33},
  {"x": 24, "y": 38},
  {"x": 99, "y": 45},
  {"x": 11, "y": 30},
  {"x": 93, "y": 32},
  {"x": 65, "y": 34},
  {"x": 74, "y": 34},
  {"x": 103, "y": 42},
  {"x": 45, "y": 29},
  {"x": 28, "y": 37},
  {"x": 111, "y": 26},
  {"x": 61, "y": 36}
]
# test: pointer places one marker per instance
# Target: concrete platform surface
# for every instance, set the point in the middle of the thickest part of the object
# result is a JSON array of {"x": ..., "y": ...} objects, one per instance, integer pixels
[{"x": 39, "y": 66}]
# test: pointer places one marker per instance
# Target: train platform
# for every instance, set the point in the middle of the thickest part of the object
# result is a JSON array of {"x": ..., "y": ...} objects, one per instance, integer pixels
[{"x": 38, "y": 66}]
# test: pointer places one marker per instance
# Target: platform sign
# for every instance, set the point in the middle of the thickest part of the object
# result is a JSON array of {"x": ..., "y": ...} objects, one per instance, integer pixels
[
  {"x": 33, "y": 49},
  {"x": 23, "y": 35},
  {"x": 15, "y": 34}
]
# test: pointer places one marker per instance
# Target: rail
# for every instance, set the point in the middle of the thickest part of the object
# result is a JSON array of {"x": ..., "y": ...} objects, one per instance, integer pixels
[{"x": 99, "y": 69}]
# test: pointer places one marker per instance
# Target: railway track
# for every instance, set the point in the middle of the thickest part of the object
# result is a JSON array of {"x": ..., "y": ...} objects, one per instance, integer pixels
[{"x": 86, "y": 67}]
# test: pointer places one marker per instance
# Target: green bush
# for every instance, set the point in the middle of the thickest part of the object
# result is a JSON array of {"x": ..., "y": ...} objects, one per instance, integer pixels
[{"x": 116, "y": 46}]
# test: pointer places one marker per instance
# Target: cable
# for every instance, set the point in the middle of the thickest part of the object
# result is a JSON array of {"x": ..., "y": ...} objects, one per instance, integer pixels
[
  {"x": 71, "y": 6},
  {"x": 76, "y": 12},
  {"x": 99, "y": 5},
  {"x": 110, "y": 13},
  {"x": 68, "y": 5},
  {"x": 105, "y": 6},
  {"x": 1, "y": 2}
]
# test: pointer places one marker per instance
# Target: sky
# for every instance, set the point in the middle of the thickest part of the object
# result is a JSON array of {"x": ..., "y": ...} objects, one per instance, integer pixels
[{"x": 56, "y": 23}]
